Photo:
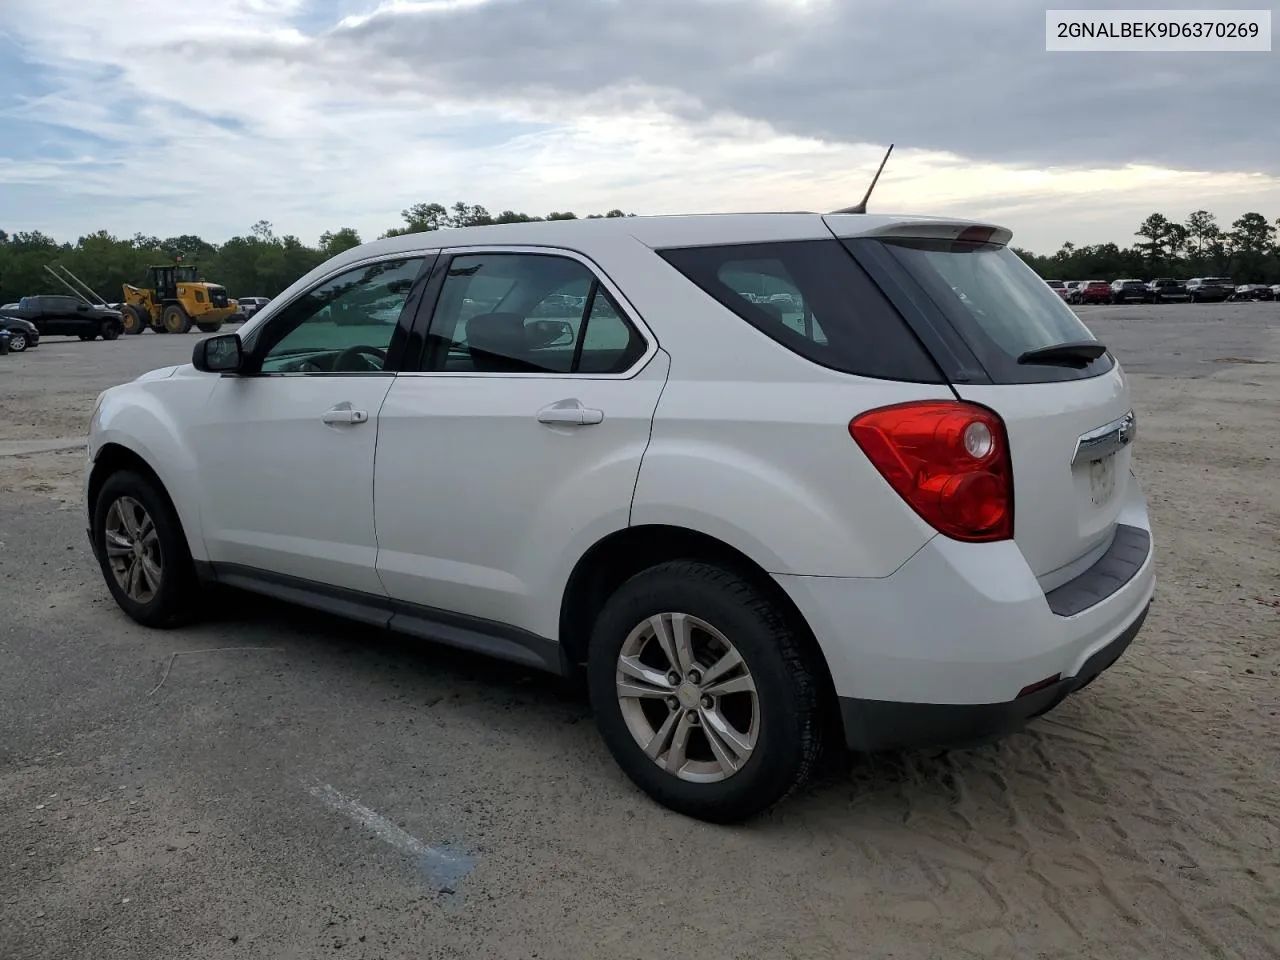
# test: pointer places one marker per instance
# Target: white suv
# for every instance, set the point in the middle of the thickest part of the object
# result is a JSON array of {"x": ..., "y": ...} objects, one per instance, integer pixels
[{"x": 770, "y": 478}]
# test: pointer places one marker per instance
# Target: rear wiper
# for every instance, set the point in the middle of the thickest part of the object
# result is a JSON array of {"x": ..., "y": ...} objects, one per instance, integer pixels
[{"x": 1078, "y": 353}]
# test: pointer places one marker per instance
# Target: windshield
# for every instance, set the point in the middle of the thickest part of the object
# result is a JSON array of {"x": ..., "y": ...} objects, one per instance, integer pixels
[{"x": 998, "y": 304}]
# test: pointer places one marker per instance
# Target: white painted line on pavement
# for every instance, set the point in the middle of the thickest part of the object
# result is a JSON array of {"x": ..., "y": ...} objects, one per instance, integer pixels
[{"x": 444, "y": 867}]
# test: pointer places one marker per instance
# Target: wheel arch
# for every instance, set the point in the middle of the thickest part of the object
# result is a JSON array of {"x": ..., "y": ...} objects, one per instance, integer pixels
[
  {"x": 112, "y": 457},
  {"x": 617, "y": 557}
]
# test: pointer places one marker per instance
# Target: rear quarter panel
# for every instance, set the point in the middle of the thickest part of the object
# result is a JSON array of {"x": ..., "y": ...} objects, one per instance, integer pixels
[
  {"x": 771, "y": 470},
  {"x": 751, "y": 442}
]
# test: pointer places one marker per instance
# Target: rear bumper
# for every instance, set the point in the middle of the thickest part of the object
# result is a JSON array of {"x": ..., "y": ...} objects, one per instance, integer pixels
[
  {"x": 953, "y": 638},
  {"x": 886, "y": 725}
]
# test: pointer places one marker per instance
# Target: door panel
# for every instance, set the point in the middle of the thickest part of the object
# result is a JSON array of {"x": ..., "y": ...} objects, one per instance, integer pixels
[
  {"x": 483, "y": 506},
  {"x": 286, "y": 491},
  {"x": 520, "y": 444},
  {"x": 286, "y": 448}
]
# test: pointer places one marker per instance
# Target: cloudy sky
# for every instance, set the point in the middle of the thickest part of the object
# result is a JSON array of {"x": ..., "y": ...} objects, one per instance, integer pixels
[{"x": 175, "y": 116}]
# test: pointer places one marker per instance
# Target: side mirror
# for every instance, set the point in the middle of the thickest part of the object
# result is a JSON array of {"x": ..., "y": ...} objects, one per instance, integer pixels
[{"x": 221, "y": 354}]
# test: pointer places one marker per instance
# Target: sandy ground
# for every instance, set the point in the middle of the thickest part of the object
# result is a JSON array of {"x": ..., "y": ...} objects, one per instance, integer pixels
[{"x": 234, "y": 809}]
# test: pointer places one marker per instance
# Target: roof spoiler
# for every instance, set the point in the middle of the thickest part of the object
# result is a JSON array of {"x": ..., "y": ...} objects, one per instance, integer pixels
[
  {"x": 861, "y": 205},
  {"x": 928, "y": 228}
]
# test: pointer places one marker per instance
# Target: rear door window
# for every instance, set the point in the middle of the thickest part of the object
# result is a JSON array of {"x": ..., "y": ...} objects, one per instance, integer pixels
[
  {"x": 528, "y": 313},
  {"x": 811, "y": 297},
  {"x": 996, "y": 303}
]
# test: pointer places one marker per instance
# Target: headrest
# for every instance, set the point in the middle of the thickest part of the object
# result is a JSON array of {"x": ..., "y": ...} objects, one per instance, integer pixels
[{"x": 502, "y": 334}]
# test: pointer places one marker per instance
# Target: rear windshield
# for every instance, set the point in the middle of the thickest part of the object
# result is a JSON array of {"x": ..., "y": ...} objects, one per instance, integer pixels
[
  {"x": 1056, "y": 284},
  {"x": 813, "y": 298},
  {"x": 997, "y": 304}
]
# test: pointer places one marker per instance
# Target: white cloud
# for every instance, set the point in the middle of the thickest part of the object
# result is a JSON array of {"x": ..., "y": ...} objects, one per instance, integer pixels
[{"x": 207, "y": 122}]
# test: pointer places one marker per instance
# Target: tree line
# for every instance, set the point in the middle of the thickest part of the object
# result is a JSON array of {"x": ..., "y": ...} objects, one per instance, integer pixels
[
  {"x": 261, "y": 263},
  {"x": 1197, "y": 247}
]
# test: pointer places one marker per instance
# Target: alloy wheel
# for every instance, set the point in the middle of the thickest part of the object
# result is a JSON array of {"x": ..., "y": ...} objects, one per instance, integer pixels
[
  {"x": 688, "y": 698},
  {"x": 133, "y": 549}
]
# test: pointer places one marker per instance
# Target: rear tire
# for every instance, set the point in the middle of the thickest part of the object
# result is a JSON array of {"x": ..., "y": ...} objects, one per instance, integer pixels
[
  {"x": 209, "y": 327},
  {"x": 774, "y": 731},
  {"x": 155, "y": 583},
  {"x": 175, "y": 319},
  {"x": 133, "y": 320}
]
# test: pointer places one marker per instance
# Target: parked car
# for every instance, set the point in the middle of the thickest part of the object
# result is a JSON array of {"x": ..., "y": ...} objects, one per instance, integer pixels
[
  {"x": 1209, "y": 289},
  {"x": 23, "y": 334},
  {"x": 1166, "y": 289},
  {"x": 1092, "y": 291},
  {"x": 1251, "y": 292},
  {"x": 1129, "y": 291},
  {"x": 58, "y": 316},
  {"x": 1058, "y": 287},
  {"x": 246, "y": 307},
  {"x": 827, "y": 533}
]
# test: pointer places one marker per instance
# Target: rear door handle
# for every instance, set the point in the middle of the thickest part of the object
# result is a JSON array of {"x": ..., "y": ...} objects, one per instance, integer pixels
[
  {"x": 569, "y": 412},
  {"x": 344, "y": 413}
]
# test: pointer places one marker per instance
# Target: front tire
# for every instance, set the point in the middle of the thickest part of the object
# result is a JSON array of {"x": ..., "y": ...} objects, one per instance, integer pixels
[
  {"x": 703, "y": 693},
  {"x": 143, "y": 552},
  {"x": 17, "y": 342},
  {"x": 134, "y": 320},
  {"x": 110, "y": 331},
  {"x": 175, "y": 319}
]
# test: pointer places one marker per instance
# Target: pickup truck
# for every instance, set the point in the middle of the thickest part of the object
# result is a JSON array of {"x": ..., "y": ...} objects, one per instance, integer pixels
[{"x": 59, "y": 316}]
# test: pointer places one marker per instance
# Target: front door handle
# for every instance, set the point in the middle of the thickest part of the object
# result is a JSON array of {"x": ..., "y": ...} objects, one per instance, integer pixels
[
  {"x": 344, "y": 413},
  {"x": 569, "y": 412}
]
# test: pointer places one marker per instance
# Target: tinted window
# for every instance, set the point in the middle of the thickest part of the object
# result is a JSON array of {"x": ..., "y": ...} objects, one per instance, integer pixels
[
  {"x": 342, "y": 326},
  {"x": 996, "y": 303},
  {"x": 814, "y": 299},
  {"x": 528, "y": 313}
]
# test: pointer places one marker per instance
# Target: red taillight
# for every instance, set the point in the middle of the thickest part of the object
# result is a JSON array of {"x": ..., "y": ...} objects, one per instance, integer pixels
[{"x": 949, "y": 460}]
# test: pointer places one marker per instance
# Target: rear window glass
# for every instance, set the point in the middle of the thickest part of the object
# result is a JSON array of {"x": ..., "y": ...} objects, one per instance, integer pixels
[
  {"x": 811, "y": 297},
  {"x": 997, "y": 303}
]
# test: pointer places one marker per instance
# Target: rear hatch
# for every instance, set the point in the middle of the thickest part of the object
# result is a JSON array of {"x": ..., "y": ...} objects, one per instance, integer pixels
[{"x": 981, "y": 309}]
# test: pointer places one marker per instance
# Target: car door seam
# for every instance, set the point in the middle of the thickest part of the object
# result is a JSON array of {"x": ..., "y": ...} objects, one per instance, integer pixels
[{"x": 653, "y": 416}]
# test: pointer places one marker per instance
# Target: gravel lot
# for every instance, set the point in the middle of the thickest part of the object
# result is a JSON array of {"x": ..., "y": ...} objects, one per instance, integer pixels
[{"x": 177, "y": 794}]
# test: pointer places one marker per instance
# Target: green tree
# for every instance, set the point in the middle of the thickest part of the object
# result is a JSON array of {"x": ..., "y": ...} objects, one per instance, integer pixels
[
  {"x": 1250, "y": 244},
  {"x": 1203, "y": 237},
  {"x": 335, "y": 242},
  {"x": 1154, "y": 232}
]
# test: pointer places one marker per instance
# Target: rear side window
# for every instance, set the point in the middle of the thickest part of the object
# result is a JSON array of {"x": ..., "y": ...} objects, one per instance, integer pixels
[
  {"x": 811, "y": 297},
  {"x": 528, "y": 313},
  {"x": 997, "y": 304}
]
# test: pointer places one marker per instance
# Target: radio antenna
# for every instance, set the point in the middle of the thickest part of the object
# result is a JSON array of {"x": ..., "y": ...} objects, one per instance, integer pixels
[{"x": 861, "y": 206}]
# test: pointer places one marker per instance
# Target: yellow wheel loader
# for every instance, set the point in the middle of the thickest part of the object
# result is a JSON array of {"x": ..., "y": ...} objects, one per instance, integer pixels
[{"x": 175, "y": 299}]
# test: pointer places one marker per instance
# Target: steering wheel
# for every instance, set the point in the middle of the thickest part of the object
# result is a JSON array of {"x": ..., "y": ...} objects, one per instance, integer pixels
[{"x": 360, "y": 350}]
